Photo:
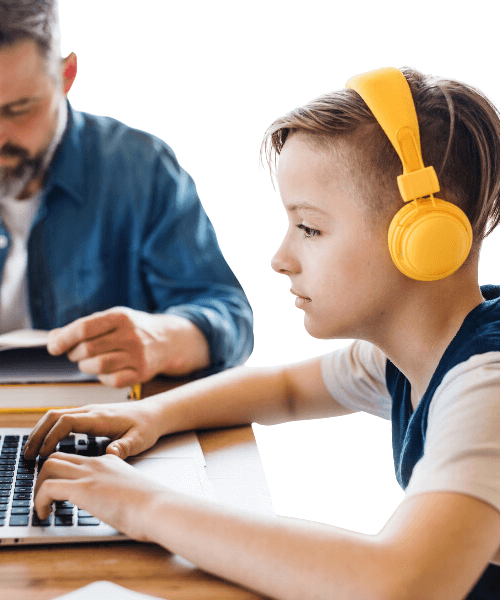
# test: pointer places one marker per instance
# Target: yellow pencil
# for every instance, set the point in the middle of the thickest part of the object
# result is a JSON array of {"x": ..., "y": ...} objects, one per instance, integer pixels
[
  {"x": 33, "y": 409},
  {"x": 135, "y": 393}
]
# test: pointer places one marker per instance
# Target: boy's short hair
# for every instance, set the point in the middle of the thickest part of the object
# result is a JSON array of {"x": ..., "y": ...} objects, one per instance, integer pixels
[{"x": 460, "y": 137}]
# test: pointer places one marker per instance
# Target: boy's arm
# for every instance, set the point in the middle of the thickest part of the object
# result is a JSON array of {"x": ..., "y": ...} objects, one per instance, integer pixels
[
  {"x": 246, "y": 395},
  {"x": 435, "y": 546},
  {"x": 235, "y": 397}
]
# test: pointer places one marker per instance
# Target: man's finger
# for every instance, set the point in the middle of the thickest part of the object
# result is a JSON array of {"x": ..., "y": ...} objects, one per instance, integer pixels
[
  {"x": 96, "y": 346},
  {"x": 107, "y": 363},
  {"x": 122, "y": 378},
  {"x": 86, "y": 328}
]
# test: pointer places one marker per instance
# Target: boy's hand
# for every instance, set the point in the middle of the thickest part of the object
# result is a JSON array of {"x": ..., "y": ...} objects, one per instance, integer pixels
[
  {"x": 105, "y": 486},
  {"x": 132, "y": 426}
]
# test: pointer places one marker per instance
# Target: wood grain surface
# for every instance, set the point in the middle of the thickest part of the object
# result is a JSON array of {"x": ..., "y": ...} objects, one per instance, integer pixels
[{"x": 45, "y": 572}]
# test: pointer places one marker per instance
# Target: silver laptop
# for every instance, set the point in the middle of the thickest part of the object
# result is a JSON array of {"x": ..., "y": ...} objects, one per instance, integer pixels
[{"x": 176, "y": 461}]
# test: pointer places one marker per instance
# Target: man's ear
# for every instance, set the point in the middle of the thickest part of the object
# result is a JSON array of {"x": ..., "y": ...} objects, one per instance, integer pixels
[{"x": 69, "y": 69}]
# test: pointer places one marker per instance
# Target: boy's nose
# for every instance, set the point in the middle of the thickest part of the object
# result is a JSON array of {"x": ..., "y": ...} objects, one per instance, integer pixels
[{"x": 283, "y": 262}]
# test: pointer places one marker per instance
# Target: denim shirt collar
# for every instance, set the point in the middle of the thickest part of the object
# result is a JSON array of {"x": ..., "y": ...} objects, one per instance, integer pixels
[{"x": 67, "y": 169}]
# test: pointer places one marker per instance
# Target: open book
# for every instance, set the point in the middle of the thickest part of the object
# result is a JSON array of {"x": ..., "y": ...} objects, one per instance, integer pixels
[{"x": 31, "y": 377}]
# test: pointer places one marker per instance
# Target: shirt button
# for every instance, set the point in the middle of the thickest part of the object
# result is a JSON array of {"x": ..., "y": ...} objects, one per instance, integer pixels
[{"x": 4, "y": 241}]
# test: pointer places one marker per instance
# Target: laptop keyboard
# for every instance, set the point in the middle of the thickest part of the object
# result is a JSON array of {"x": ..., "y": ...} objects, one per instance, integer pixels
[{"x": 18, "y": 476}]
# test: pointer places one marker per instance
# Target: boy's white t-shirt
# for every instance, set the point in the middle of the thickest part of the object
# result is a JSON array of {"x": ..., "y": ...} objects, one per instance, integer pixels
[
  {"x": 17, "y": 217},
  {"x": 462, "y": 445}
]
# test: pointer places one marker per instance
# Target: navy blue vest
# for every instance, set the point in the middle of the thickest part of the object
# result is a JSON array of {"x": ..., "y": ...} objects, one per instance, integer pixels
[{"x": 479, "y": 333}]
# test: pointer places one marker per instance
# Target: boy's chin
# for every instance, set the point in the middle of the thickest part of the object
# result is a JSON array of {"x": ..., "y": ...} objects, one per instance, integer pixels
[
  {"x": 324, "y": 331},
  {"x": 317, "y": 330}
]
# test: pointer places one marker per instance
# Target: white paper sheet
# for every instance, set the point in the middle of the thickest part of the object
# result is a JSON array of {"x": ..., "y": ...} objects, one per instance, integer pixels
[
  {"x": 24, "y": 338},
  {"x": 107, "y": 590}
]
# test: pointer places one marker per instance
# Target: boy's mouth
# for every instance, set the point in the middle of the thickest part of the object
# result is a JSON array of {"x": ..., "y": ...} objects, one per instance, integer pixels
[{"x": 300, "y": 301}]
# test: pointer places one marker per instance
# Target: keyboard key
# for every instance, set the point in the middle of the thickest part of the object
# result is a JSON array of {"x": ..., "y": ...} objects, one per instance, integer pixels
[
  {"x": 88, "y": 521},
  {"x": 45, "y": 523},
  {"x": 83, "y": 513},
  {"x": 2, "y": 522},
  {"x": 68, "y": 445},
  {"x": 20, "y": 510},
  {"x": 22, "y": 489},
  {"x": 19, "y": 521},
  {"x": 25, "y": 476},
  {"x": 23, "y": 496},
  {"x": 21, "y": 502},
  {"x": 61, "y": 512},
  {"x": 5, "y": 486},
  {"x": 4, "y": 493},
  {"x": 63, "y": 521}
]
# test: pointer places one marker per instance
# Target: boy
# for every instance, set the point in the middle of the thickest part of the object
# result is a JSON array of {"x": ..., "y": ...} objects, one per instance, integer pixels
[{"x": 432, "y": 334}]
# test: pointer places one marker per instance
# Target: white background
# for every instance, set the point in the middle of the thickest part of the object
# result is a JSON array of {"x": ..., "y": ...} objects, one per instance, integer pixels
[{"x": 208, "y": 77}]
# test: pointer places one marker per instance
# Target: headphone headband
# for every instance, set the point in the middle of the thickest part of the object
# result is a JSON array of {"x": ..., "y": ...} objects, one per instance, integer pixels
[
  {"x": 428, "y": 238},
  {"x": 387, "y": 94}
]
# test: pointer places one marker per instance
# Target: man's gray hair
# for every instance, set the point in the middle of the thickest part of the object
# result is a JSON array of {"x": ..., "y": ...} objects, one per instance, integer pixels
[{"x": 36, "y": 20}]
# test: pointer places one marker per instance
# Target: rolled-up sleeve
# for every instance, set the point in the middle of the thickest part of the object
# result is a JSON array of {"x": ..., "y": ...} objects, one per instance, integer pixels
[{"x": 185, "y": 271}]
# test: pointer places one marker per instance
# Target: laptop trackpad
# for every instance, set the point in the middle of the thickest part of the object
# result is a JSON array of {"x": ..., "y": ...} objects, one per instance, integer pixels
[{"x": 179, "y": 474}]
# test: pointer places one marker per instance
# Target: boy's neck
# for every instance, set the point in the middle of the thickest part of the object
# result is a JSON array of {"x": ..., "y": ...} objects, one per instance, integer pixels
[{"x": 430, "y": 317}]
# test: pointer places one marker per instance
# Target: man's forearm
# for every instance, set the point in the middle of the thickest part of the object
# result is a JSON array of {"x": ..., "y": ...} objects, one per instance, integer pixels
[{"x": 227, "y": 324}]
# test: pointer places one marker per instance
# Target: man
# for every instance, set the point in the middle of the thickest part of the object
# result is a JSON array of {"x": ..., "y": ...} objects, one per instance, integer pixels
[{"x": 102, "y": 236}]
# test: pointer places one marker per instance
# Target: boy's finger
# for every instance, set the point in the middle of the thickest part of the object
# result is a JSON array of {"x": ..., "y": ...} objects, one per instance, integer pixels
[
  {"x": 129, "y": 445},
  {"x": 67, "y": 423},
  {"x": 52, "y": 490},
  {"x": 41, "y": 429},
  {"x": 59, "y": 466}
]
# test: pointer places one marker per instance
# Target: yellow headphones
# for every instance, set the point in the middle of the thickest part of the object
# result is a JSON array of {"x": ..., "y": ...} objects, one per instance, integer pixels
[{"x": 428, "y": 238}]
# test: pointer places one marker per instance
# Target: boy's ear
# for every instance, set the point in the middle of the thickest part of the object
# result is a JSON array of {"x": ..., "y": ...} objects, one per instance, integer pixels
[{"x": 69, "y": 70}]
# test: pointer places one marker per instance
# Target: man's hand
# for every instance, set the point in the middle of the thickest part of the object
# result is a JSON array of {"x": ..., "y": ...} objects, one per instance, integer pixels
[{"x": 123, "y": 346}]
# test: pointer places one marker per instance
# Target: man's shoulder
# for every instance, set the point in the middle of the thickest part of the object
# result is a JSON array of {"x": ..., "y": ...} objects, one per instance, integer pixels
[{"x": 110, "y": 134}]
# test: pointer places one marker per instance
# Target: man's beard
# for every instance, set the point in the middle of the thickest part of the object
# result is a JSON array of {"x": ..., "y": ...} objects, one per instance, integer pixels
[{"x": 14, "y": 180}]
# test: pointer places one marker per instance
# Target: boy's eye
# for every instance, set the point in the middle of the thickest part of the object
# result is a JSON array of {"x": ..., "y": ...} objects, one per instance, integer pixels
[{"x": 308, "y": 232}]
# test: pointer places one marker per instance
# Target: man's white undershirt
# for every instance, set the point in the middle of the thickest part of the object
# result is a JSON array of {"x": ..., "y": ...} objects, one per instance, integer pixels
[{"x": 17, "y": 216}]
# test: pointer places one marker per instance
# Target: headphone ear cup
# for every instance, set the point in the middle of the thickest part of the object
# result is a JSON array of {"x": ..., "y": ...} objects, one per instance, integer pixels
[{"x": 429, "y": 239}]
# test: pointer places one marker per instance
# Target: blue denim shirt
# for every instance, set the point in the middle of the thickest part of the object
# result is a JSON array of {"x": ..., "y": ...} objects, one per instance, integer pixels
[{"x": 121, "y": 224}]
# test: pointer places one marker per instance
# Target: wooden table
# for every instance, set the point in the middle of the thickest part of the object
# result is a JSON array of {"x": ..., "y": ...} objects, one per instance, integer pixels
[{"x": 45, "y": 572}]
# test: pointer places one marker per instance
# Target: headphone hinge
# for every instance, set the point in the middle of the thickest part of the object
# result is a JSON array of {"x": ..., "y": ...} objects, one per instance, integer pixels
[{"x": 418, "y": 184}]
